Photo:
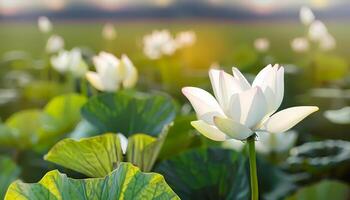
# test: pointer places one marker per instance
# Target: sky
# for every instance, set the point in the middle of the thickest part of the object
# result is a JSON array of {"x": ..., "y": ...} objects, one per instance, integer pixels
[{"x": 13, "y": 7}]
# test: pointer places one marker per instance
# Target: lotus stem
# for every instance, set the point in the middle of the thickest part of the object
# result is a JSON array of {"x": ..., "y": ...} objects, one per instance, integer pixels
[{"x": 253, "y": 172}]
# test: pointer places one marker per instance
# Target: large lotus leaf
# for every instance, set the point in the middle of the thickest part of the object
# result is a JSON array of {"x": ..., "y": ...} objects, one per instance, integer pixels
[
  {"x": 129, "y": 113},
  {"x": 324, "y": 190},
  {"x": 94, "y": 157},
  {"x": 8, "y": 173},
  {"x": 126, "y": 182},
  {"x": 22, "y": 129},
  {"x": 63, "y": 112},
  {"x": 143, "y": 150},
  {"x": 207, "y": 174}
]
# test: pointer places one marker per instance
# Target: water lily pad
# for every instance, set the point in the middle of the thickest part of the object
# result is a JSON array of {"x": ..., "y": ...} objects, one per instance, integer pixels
[
  {"x": 9, "y": 171},
  {"x": 128, "y": 113},
  {"x": 126, "y": 182},
  {"x": 94, "y": 157},
  {"x": 207, "y": 174}
]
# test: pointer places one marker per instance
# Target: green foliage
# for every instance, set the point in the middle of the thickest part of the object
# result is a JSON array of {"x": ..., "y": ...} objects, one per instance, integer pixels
[
  {"x": 97, "y": 156},
  {"x": 42, "y": 91},
  {"x": 94, "y": 157},
  {"x": 324, "y": 190},
  {"x": 207, "y": 174},
  {"x": 128, "y": 113},
  {"x": 329, "y": 67},
  {"x": 21, "y": 130},
  {"x": 40, "y": 129},
  {"x": 143, "y": 150},
  {"x": 181, "y": 137},
  {"x": 126, "y": 182},
  {"x": 8, "y": 173}
]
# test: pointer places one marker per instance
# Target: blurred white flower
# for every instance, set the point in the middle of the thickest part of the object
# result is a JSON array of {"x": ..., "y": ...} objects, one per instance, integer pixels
[
  {"x": 262, "y": 44},
  {"x": 111, "y": 72},
  {"x": 340, "y": 116},
  {"x": 327, "y": 42},
  {"x": 240, "y": 109},
  {"x": 317, "y": 31},
  {"x": 306, "y": 15},
  {"x": 275, "y": 142},
  {"x": 300, "y": 44},
  {"x": 109, "y": 32},
  {"x": 44, "y": 24},
  {"x": 123, "y": 142},
  {"x": 233, "y": 144},
  {"x": 69, "y": 61},
  {"x": 159, "y": 43},
  {"x": 54, "y": 44},
  {"x": 185, "y": 39}
]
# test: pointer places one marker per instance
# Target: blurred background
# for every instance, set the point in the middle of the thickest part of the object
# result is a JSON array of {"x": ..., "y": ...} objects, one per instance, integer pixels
[{"x": 173, "y": 43}]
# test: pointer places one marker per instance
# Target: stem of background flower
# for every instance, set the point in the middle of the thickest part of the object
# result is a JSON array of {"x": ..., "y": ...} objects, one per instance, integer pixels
[{"x": 253, "y": 173}]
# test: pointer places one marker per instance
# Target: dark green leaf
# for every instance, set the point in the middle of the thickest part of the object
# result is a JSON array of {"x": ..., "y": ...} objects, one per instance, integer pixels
[
  {"x": 8, "y": 173},
  {"x": 129, "y": 113}
]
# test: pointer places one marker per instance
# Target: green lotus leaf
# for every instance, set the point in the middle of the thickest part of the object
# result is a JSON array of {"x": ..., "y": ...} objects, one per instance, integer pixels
[
  {"x": 61, "y": 115},
  {"x": 126, "y": 182},
  {"x": 207, "y": 174},
  {"x": 143, "y": 150},
  {"x": 9, "y": 171},
  {"x": 22, "y": 129},
  {"x": 324, "y": 190},
  {"x": 128, "y": 113},
  {"x": 42, "y": 91},
  {"x": 94, "y": 157}
]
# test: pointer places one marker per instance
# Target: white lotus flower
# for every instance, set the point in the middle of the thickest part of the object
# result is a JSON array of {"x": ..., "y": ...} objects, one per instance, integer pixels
[
  {"x": 262, "y": 44},
  {"x": 69, "y": 61},
  {"x": 306, "y": 16},
  {"x": 108, "y": 32},
  {"x": 340, "y": 116},
  {"x": 300, "y": 44},
  {"x": 240, "y": 109},
  {"x": 123, "y": 142},
  {"x": 327, "y": 42},
  {"x": 44, "y": 24},
  {"x": 159, "y": 43},
  {"x": 111, "y": 72},
  {"x": 275, "y": 142},
  {"x": 317, "y": 31},
  {"x": 185, "y": 39},
  {"x": 54, "y": 44}
]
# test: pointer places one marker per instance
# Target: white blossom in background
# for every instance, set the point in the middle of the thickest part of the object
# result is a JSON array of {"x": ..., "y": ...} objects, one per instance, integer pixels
[
  {"x": 300, "y": 44},
  {"x": 340, "y": 116},
  {"x": 54, "y": 44},
  {"x": 109, "y": 32},
  {"x": 240, "y": 109},
  {"x": 317, "y": 31},
  {"x": 233, "y": 144},
  {"x": 123, "y": 142},
  {"x": 306, "y": 16},
  {"x": 262, "y": 44},
  {"x": 327, "y": 42},
  {"x": 112, "y": 73},
  {"x": 159, "y": 43},
  {"x": 69, "y": 61},
  {"x": 185, "y": 39},
  {"x": 44, "y": 24},
  {"x": 275, "y": 142}
]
